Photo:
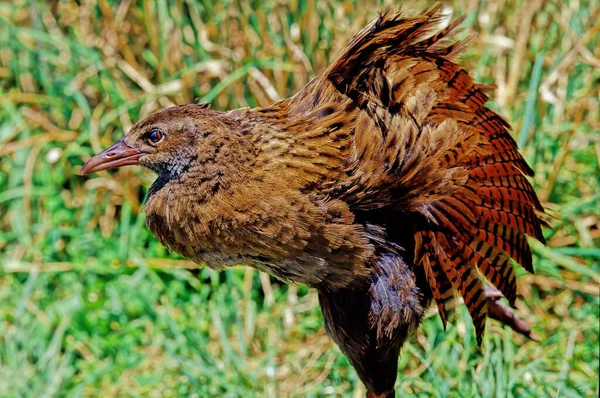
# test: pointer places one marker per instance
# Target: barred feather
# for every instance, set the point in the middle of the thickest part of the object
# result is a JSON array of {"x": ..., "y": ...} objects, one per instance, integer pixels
[{"x": 425, "y": 144}]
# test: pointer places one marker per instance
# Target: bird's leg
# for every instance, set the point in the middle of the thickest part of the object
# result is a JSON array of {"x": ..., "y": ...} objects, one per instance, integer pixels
[
  {"x": 503, "y": 313},
  {"x": 371, "y": 323},
  {"x": 346, "y": 314}
]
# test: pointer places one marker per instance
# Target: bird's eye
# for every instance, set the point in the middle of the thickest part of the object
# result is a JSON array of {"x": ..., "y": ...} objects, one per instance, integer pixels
[{"x": 155, "y": 136}]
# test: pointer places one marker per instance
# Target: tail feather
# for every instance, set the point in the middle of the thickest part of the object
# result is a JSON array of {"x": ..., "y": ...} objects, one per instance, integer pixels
[
  {"x": 484, "y": 223},
  {"x": 441, "y": 288},
  {"x": 494, "y": 265}
]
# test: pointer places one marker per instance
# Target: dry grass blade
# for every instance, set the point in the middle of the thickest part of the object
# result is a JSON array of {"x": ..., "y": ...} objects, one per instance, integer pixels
[{"x": 76, "y": 318}]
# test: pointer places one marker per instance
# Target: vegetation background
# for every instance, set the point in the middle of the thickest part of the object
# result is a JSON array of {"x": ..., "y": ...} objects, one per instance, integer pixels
[{"x": 92, "y": 305}]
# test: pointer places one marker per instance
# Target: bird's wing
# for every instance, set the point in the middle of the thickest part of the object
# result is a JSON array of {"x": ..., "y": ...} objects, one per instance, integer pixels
[{"x": 425, "y": 144}]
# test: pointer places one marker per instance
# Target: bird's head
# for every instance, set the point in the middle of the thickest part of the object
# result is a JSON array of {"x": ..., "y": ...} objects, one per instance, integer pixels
[{"x": 169, "y": 142}]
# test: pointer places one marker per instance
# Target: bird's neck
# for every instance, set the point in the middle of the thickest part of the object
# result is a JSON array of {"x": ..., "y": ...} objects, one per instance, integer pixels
[{"x": 157, "y": 185}]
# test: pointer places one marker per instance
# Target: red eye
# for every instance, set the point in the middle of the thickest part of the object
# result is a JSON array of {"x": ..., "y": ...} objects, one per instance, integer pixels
[{"x": 155, "y": 136}]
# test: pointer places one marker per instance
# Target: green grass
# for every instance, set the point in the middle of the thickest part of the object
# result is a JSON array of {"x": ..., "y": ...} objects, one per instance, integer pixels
[{"x": 92, "y": 305}]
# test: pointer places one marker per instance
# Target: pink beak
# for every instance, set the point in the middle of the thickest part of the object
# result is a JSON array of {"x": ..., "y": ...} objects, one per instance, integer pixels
[{"x": 118, "y": 155}]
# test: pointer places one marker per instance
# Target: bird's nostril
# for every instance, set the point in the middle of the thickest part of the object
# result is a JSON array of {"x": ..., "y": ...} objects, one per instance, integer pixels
[{"x": 110, "y": 154}]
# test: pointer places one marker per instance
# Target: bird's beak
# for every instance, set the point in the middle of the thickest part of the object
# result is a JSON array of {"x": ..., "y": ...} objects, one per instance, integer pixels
[{"x": 119, "y": 154}]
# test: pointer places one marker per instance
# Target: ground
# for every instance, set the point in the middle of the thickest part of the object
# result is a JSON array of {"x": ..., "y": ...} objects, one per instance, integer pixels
[{"x": 92, "y": 305}]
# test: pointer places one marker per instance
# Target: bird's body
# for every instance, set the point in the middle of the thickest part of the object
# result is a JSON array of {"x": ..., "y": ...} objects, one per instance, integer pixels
[{"x": 384, "y": 183}]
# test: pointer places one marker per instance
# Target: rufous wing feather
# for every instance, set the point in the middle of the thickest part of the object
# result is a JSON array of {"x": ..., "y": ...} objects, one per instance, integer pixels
[{"x": 425, "y": 144}]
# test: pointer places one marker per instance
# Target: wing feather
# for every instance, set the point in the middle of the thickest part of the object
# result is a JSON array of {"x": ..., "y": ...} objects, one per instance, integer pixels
[{"x": 425, "y": 144}]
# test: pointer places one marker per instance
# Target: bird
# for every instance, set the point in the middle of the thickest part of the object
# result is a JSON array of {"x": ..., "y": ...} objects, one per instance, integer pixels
[{"x": 386, "y": 184}]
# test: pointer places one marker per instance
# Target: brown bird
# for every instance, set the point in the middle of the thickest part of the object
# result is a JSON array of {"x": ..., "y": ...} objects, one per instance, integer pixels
[{"x": 385, "y": 183}]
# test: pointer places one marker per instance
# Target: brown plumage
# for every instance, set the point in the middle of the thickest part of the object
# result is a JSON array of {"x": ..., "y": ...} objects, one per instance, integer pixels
[{"x": 384, "y": 183}]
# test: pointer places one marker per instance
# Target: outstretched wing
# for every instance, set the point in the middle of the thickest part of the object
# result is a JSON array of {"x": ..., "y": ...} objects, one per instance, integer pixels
[{"x": 425, "y": 144}]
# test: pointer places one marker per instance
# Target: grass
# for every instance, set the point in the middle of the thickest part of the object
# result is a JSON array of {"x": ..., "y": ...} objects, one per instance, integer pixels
[{"x": 92, "y": 305}]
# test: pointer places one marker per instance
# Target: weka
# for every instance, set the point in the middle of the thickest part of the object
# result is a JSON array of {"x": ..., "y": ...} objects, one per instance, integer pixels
[{"x": 384, "y": 183}]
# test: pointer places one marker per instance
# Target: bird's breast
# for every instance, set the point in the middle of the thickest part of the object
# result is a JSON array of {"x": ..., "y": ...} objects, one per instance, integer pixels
[{"x": 290, "y": 236}]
